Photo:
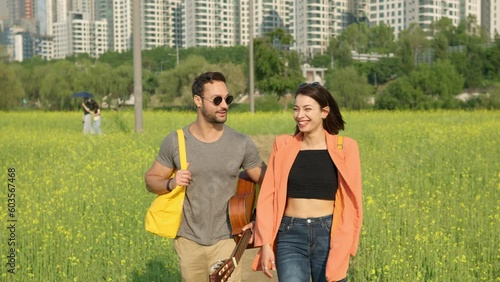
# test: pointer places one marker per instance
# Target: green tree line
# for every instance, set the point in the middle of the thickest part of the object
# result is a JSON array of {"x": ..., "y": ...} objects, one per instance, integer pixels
[{"x": 418, "y": 70}]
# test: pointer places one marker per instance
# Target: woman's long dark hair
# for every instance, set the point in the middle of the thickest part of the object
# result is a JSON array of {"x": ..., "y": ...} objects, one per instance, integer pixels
[
  {"x": 334, "y": 122},
  {"x": 94, "y": 106}
]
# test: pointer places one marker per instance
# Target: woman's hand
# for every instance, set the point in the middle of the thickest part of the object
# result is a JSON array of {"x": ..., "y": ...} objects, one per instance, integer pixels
[{"x": 267, "y": 260}]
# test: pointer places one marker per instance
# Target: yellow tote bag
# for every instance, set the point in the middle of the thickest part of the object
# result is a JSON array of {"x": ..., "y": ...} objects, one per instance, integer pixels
[{"x": 165, "y": 213}]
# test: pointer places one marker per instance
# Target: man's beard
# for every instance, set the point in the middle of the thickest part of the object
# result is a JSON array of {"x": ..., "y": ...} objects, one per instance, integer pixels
[{"x": 212, "y": 118}]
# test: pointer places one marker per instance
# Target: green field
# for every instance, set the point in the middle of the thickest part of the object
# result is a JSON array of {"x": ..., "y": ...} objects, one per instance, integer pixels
[{"x": 431, "y": 185}]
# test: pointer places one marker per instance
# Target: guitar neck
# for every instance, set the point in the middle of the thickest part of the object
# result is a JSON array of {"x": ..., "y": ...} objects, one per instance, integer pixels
[
  {"x": 240, "y": 211},
  {"x": 241, "y": 246}
]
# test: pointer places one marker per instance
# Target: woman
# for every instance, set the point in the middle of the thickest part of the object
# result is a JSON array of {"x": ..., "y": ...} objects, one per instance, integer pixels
[
  {"x": 309, "y": 210},
  {"x": 96, "y": 113}
]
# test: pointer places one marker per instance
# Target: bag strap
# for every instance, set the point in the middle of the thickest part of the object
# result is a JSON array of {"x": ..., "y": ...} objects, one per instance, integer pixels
[
  {"x": 340, "y": 142},
  {"x": 182, "y": 149}
]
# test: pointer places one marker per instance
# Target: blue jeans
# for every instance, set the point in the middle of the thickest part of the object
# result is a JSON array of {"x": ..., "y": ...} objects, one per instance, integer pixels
[{"x": 302, "y": 248}]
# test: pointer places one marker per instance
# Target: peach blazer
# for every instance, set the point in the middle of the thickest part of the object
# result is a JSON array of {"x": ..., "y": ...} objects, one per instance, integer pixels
[{"x": 348, "y": 211}]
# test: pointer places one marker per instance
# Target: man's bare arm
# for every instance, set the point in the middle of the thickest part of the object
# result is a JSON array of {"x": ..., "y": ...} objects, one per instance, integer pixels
[
  {"x": 257, "y": 173},
  {"x": 157, "y": 177}
]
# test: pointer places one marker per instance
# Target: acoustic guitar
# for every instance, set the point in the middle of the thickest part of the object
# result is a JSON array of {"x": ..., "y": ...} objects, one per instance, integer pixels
[{"x": 240, "y": 214}]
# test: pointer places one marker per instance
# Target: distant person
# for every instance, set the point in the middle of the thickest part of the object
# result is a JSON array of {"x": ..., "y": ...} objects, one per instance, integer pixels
[
  {"x": 309, "y": 209},
  {"x": 215, "y": 153},
  {"x": 87, "y": 117},
  {"x": 96, "y": 114}
]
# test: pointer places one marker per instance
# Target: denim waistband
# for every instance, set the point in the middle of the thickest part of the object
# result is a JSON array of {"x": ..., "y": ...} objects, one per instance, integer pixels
[{"x": 307, "y": 220}]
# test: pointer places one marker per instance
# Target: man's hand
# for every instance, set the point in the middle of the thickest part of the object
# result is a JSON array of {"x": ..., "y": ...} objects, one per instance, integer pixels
[{"x": 246, "y": 227}]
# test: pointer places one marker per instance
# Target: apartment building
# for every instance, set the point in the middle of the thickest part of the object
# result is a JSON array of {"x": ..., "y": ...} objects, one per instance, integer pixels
[
  {"x": 267, "y": 16},
  {"x": 471, "y": 7},
  {"x": 159, "y": 23},
  {"x": 490, "y": 19},
  {"x": 211, "y": 23},
  {"x": 400, "y": 14},
  {"x": 44, "y": 47},
  {"x": 122, "y": 26},
  {"x": 79, "y": 35},
  {"x": 388, "y": 12}
]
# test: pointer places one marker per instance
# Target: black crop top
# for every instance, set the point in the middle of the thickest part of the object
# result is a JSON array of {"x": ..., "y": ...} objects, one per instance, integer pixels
[{"x": 313, "y": 176}]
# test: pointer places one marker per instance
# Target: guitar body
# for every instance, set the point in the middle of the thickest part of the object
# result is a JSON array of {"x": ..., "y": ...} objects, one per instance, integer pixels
[
  {"x": 240, "y": 214},
  {"x": 241, "y": 205}
]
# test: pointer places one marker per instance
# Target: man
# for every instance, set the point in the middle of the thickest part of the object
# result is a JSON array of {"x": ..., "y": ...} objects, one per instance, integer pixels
[{"x": 215, "y": 155}]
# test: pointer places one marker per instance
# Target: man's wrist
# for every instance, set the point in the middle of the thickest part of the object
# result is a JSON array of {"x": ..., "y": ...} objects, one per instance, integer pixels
[{"x": 168, "y": 185}]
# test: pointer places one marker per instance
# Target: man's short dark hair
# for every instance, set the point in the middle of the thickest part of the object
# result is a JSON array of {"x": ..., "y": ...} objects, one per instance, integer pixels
[{"x": 204, "y": 78}]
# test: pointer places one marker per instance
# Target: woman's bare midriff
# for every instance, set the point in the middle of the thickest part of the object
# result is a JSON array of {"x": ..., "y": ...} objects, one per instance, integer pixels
[{"x": 307, "y": 208}]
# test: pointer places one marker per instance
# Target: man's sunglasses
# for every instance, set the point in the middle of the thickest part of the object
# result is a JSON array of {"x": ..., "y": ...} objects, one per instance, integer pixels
[
  {"x": 218, "y": 99},
  {"x": 312, "y": 84}
]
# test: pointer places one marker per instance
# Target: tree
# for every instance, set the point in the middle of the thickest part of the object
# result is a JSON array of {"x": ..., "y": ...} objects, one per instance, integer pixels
[
  {"x": 343, "y": 56},
  {"x": 406, "y": 56},
  {"x": 321, "y": 61},
  {"x": 411, "y": 41},
  {"x": 470, "y": 64},
  {"x": 429, "y": 87},
  {"x": 174, "y": 86},
  {"x": 121, "y": 83},
  {"x": 444, "y": 27},
  {"x": 276, "y": 71},
  {"x": 58, "y": 84},
  {"x": 381, "y": 39},
  {"x": 350, "y": 89},
  {"x": 236, "y": 80},
  {"x": 440, "y": 45},
  {"x": 492, "y": 61},
  {"x": 439, "y": 82},
  {"x": 401, "y": 95},
  {"x": 385, "y": 70},
  {"x": 11, "y": 90},
  {"x": 356, "y": 37}
]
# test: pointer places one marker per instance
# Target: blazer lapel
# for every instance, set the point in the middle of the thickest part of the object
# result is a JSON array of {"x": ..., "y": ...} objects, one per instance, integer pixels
[
  {"x": 336, "y": 154},
  {"x": 284, "y": 159}
]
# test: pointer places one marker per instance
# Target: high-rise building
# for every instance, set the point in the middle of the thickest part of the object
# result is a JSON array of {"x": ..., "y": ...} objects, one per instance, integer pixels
[
  {"x": 424, "y": 12},
  {"x": 316, "y": 21},
  {"x": 79, "y": 35},
  {"x": 272, "y": 14},
  {"x": 122, "y": 26},
  {"x": 16, "y": 10},
  {"x": 159, "y": 23},
  {"x": 490, "y": 19},
  {"x": 471, "y": 8},
  {"x": 60, "y": 48},
  {"x": 87, "y": 36},
  {"x": 23, "y": 46},
  {"x": 210, "y": 23},
  {"x": 400, "y": 14},
  {"x": 390, "y": 13}
]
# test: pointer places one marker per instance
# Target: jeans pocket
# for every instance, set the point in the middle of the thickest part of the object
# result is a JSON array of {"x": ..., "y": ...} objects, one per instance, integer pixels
[
  {"x": 327, "y": 224},
  {"x": 285, "y": 226}
]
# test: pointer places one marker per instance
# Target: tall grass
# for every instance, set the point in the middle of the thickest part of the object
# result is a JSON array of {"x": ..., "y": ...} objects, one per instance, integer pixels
[{"x": 430, "y": 179}]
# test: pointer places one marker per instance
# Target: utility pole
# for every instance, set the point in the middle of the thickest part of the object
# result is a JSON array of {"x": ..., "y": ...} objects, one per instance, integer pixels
[
  {"x": 250, "y": 56},
  {"x": 136, "y": 17}
]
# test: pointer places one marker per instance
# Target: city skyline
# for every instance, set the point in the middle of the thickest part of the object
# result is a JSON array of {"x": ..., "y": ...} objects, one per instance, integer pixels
[{"x": 63, "y": 28}]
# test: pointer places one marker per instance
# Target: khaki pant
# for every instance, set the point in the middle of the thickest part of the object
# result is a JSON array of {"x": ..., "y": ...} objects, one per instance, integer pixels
[{"x": 196, "y": 260}]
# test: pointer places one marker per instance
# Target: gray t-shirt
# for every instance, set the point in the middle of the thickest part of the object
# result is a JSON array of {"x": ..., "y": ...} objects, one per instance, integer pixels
[{"x": 214, "y": 169}]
